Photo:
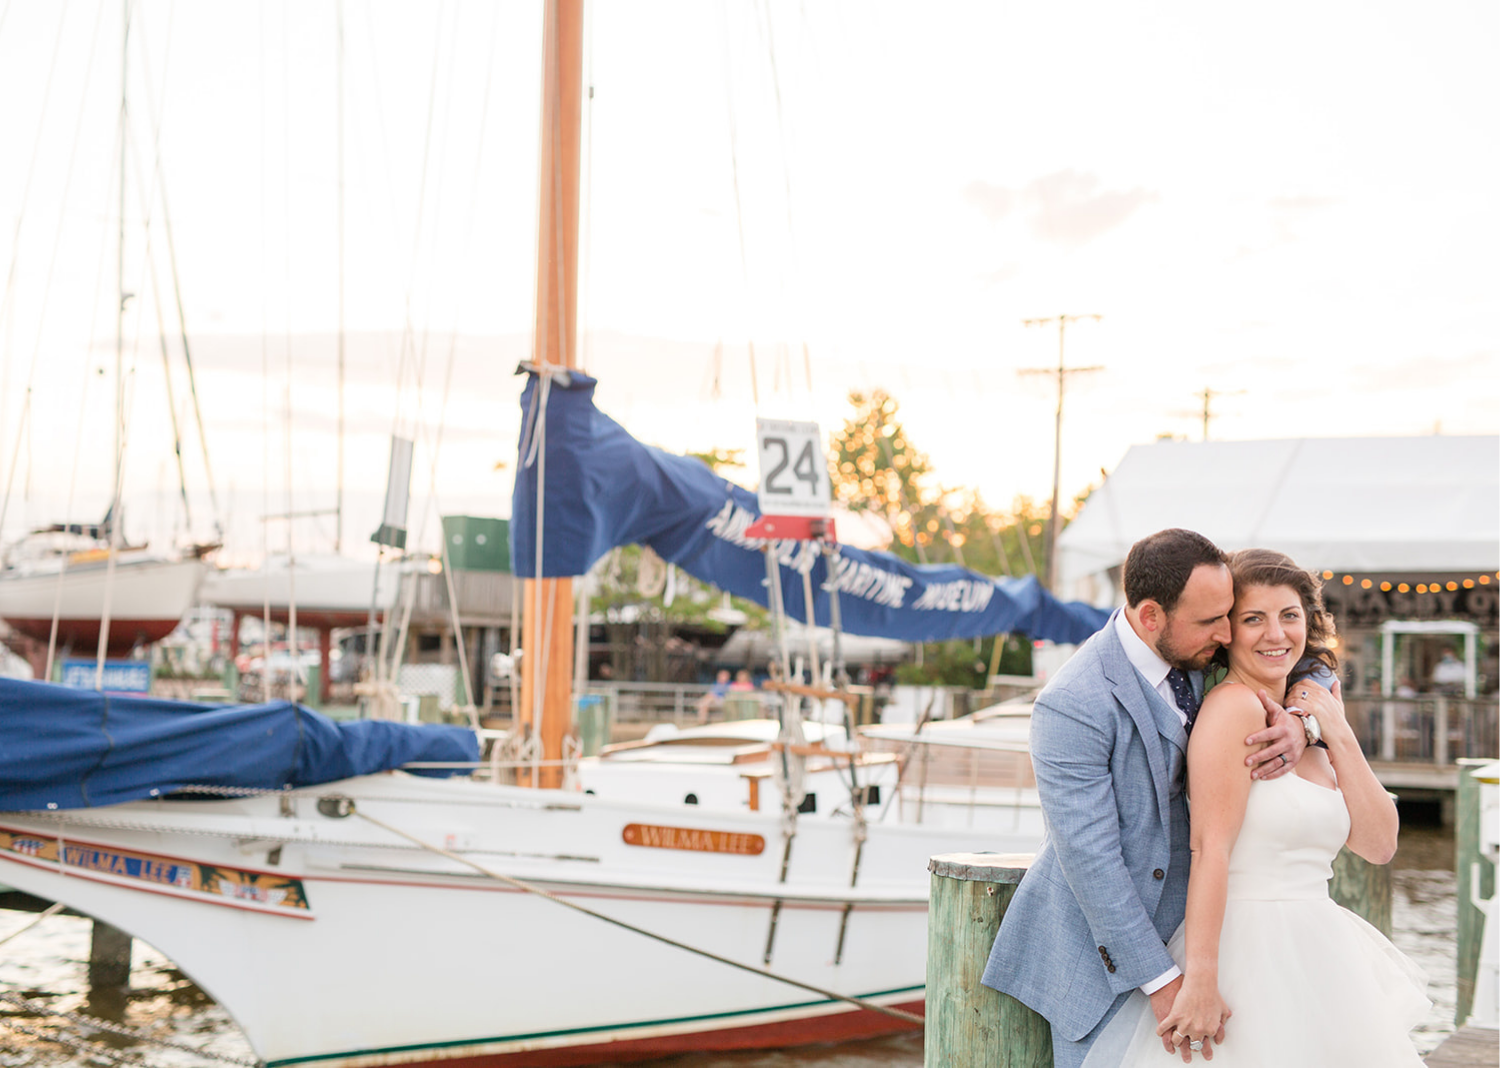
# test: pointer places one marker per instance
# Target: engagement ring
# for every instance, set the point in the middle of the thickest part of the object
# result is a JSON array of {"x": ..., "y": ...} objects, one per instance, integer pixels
[{"x": 1196, "y": 1045}]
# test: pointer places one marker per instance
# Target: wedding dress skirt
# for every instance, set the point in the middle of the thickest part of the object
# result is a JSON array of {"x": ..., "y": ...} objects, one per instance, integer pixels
[{"x": 1309, "y": 983}]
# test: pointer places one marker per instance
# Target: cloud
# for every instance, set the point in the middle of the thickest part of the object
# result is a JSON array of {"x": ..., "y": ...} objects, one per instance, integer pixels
[
  {"x": 993, "y": 200},
  {"x": 1429, "y": 372},
  {"x": 1303, "y": 203},
  {"x": 1070, "y": 209}
]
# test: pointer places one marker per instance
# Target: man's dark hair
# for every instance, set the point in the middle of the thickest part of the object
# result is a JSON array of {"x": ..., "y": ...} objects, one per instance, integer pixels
[{"x": 1158, "y": 566}]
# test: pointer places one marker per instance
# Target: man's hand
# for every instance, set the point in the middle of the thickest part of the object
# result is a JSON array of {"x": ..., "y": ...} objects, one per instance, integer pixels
[
  {"x": 1161, "y": 1004},
  {"x": 1284, "y": 741},
  {"x": 1197, "y": 1015}
]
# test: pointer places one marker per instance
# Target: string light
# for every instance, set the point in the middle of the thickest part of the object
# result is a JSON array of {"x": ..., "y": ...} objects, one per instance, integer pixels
[{"x": 1391, "y": 585}]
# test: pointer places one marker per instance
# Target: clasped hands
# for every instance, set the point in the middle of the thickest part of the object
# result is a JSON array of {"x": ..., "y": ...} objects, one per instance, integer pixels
[{"x": 1189, "y": 1018}]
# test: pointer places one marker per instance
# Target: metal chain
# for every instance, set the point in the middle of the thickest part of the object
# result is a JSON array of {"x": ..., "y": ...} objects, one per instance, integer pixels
[
  {"x": 93, "y": 1049},
  {"x": 96, "y": 1024}
]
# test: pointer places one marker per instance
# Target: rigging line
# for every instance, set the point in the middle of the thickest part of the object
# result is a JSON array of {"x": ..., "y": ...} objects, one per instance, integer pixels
[
  {"x": 338, "y": 533},
  {"x": 265, "y": 385},
  {"x": 769, "y": 36},
  {"x": 408, "y": 333},
  {"x": 422, "y": 424},
  {"x": 51, "y": 269},
  {"x": 83, "y": 397},
  {"x": 443, "y": 127},
  {"x": 396, "y": 240},
  {"x": 51, "y": 910},
  {"x": 31, "y": 169},
  {"x": 739, "y": 210},
  {"x": 116, "y": 511},
  {"x": 295, "y": 672},
  {"x": 160, "y": 182},
  {"x": 531, "y": 888}
]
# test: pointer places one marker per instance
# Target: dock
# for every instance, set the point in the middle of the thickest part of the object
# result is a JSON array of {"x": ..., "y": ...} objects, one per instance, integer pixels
[{"x": 1467, "y": 1047}]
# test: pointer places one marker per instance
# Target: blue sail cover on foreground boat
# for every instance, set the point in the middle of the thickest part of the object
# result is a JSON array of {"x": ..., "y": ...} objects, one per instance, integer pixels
[
  {"x": 603, "y": 488},
  {"x": 66, "y": 748}
]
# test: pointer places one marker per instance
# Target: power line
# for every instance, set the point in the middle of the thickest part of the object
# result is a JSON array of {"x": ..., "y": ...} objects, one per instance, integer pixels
[{"x": 1062, "y": 371}]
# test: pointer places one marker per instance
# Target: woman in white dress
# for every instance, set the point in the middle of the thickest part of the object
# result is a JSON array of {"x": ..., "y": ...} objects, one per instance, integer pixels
[{"x": 1274, "y": 973}]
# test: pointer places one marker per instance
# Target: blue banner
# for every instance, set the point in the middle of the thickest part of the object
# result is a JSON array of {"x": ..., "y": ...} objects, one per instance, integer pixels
[{"x": 603, "y": 488}]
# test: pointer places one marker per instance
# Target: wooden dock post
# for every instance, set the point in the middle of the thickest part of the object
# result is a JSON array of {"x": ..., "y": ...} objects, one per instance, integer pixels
[
  {"x": 109, "y": 957},
  {"x": 1363, "y": 888},
  {"x": 1465, "y": 855},
  {"x": 968, "y": 1023}
]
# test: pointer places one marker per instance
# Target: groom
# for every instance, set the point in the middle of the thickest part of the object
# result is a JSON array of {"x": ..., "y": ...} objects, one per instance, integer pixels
[{"x": 1089, "y": 923}]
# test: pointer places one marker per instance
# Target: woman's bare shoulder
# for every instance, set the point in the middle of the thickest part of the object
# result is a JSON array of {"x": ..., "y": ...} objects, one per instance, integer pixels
[{"x": 1229, "y": 708}]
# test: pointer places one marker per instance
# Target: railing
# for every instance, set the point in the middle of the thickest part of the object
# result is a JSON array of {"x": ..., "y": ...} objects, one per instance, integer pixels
[{"x": 1428, "y": 729}]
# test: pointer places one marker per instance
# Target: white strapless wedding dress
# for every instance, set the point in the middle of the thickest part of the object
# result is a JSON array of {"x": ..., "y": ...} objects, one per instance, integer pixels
[{"x": 1309, "y": 983}]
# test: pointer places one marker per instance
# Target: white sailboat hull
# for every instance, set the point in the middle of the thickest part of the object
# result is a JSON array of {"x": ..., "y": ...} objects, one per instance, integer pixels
[
  {"x": 404, "y": 956},
  {"x": 147, "y": 597}
]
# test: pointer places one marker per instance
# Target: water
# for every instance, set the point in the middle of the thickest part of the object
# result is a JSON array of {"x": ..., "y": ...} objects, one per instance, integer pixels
[{"x": 50, "y": 962}]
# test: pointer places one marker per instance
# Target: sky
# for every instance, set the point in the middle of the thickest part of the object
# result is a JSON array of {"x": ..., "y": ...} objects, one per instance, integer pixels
[{"x": 1292, "y": 207}]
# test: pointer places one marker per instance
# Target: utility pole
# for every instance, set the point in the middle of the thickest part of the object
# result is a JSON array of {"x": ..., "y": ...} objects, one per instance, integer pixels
[
  {"x": 1208, "y": 395},
  {"x": 1062, "y": 371}
]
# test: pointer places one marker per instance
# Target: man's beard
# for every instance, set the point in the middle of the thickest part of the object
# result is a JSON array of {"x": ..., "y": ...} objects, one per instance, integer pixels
[{"x": 1183, "y": 659}]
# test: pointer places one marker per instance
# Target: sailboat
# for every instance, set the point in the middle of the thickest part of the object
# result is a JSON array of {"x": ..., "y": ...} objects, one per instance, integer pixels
[
  {"x": 81, "y": 587},
  {"x": 513, "y": 918}
]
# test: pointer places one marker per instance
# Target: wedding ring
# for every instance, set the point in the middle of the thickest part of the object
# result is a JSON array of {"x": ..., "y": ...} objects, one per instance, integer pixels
[
  {"x": 1178, "y": 1038},
  {"x": 1196, "y": 1045},
  {"x": 1283, "y": 759}
]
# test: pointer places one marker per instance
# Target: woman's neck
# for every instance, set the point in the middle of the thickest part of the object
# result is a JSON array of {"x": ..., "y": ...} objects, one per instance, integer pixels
[{"x": 1275, "y": 685}]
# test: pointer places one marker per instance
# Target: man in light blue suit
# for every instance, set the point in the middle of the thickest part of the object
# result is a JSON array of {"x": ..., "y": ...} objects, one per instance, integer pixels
[{"x": 1089, "y": 922}]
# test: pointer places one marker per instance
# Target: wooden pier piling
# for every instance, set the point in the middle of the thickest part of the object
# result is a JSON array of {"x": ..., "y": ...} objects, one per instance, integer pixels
[
  {"x": 109, "y": 957},
  {"x": 1465, "y": 856},
  {"x": 1363, "y": 888},
  {"x": 967, "y": 1022}
]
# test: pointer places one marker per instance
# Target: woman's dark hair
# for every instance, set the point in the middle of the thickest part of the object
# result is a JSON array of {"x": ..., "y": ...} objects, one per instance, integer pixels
[
  {"x": 1158, "y": 567},
  {"x": 1266, "y": 567}
]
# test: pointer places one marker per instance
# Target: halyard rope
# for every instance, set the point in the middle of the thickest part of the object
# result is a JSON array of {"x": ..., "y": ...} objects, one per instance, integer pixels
[{"x": 900, "y": 1014}]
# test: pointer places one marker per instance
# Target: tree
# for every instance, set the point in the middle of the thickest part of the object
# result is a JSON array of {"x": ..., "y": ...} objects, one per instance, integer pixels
[{"x": 876, "y": 468}]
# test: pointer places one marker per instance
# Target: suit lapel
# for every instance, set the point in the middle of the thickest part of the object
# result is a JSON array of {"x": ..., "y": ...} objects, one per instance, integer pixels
[{"x": 1130, "y": 690}]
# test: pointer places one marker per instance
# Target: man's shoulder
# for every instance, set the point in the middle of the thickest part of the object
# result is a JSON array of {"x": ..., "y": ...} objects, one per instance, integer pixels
[{"x": 1089, "y": 669}]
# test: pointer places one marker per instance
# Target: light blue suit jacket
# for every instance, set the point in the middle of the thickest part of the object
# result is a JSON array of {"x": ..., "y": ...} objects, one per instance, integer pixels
[{"x": 1109, "y": 883}]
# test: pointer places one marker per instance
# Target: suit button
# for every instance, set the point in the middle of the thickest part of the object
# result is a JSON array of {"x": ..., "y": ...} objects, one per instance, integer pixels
[
  {"x": 1103, "y": 952},
  {"x": 1158, "y": 874},
  {"x": 1110, "y": 968}
]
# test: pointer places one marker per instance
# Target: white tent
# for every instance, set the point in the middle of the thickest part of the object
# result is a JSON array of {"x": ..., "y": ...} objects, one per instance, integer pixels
[{"x": 1417, "y": 504}]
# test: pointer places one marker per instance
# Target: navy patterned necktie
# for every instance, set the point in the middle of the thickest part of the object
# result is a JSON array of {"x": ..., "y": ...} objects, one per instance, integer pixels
[{"x": 1182, "y": 690}]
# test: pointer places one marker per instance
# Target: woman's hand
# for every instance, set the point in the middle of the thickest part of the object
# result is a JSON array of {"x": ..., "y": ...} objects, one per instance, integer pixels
[
  {"x": 1198, "y": 1013},
  {"x": 1326, "y": 705}
]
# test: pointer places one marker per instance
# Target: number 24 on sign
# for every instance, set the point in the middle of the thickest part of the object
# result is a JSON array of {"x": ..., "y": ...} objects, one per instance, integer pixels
[{"x": 793, "y": 471}]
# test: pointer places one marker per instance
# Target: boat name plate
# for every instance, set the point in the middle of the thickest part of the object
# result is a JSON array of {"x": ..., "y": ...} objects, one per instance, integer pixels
[
  {"x": 693, "y": 838},
  {"x": 237, "y": 887}
]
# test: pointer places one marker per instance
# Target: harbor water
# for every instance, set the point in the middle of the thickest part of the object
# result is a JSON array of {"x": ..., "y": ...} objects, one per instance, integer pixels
[{"x": 49, "y": 964}]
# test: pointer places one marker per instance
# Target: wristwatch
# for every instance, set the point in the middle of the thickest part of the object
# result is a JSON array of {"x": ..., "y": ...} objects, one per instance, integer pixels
[{"x": 1309, "y": 726}]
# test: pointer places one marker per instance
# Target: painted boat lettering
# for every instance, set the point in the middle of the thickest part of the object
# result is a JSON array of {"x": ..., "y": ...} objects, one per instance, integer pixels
[
  {"x": 229, "y": 884},
  {"x": 693, "y": 839}
]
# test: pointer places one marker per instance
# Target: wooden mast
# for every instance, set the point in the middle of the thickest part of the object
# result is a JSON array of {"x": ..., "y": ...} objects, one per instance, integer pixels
[{"x": 547, "y": 612}]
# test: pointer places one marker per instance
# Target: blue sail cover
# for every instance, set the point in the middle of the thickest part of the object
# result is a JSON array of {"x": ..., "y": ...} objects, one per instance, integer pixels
[
  {"x": 66, "y": 748},
  {"x": 603, "y": 488}
]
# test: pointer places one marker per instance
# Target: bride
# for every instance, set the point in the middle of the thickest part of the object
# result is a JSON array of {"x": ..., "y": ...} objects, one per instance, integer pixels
[{"x": 1305, "y": 981}]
